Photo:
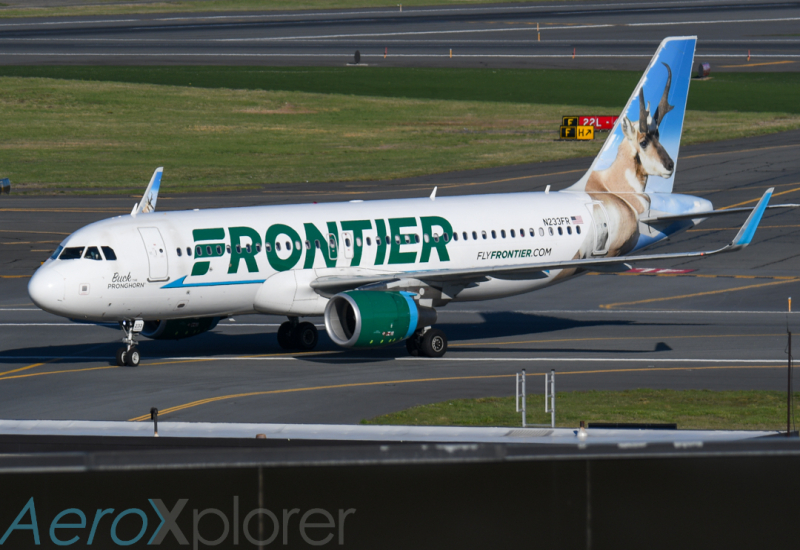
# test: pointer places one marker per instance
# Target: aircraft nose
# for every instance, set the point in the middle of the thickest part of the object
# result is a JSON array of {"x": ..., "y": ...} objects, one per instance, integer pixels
[{"x": 46, "y": 288}]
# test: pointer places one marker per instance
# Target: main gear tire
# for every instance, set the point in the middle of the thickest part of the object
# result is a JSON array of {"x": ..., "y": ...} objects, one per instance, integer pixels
[
  {"x": 285, "y": 335},
  {"x": 305, "y": 337},
  {"x": 434, "y": 343}
]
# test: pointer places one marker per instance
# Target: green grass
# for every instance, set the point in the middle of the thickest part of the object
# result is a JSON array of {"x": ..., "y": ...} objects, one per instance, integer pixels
[
  {"x": 70, "y": 135},
  {"x": 746, "y": 92},
  {"x": 690, "y": 409},
  {"x": 111, "y": 7}
]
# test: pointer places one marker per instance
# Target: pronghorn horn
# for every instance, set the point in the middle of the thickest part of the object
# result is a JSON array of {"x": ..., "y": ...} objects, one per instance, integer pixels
[
  {"x": 663, "y": 106},
  {"x": 643, "y": 114}
]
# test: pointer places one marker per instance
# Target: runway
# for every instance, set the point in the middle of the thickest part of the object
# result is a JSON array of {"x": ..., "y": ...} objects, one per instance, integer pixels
[
  {"x": 620, "y": 34},
  {"x": 720, "y": 325}
]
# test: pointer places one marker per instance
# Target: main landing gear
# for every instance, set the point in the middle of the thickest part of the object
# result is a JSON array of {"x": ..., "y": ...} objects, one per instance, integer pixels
[
  {"x": 128, "y": 355},
  {"x": 294, "y": 335},
  {"x": 430, "y": 342}
]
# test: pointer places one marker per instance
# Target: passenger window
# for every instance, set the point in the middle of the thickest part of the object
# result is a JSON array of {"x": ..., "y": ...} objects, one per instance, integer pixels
[
  {"x": 208, "y": 250},
  {"x": 541, "y": 232},
  {"x": 560, "y": 231},
  {"x": 578, "y": 229},
  {"x": 108, "y": 252},
  {"x": 268, "y": 247},
  {"x": 238, "y": 249},
  {"x": 316, "y": 243},
  {"x": 483, "y": 233},
  {"x": 57, "y": 252},
  {"x": 188, "y": 252},
  {"x": 569, "y": 230},
  {"x": 347, "y": 242},
  {"x": 179, "y": 251},
  {"x": 494, "y": 234},
  {"x": 426, "y": 237},
  {"x": 446, "y": 237},
  {"x": 455, "y": 235},
  {"x": 407, "y": 238},
  {"x": 474, "y": 236},
  {"x": 503, "y": 233},
  {"x": 388, "y": 240},
  {"x": 71, "y": 253},
  {"x": 358, "y": 242},
  {"x": 92, "y": 253},
  {"x": 308, "y": 245},
  {"x": 416, "y": 238},
  {"x": 277, "y": 246},
  {"x": 464, "y": 234},
  {"x": 258, "y": 248},
  {"x": 513, "y": 234},
  {"x": 369, "y": 241},
  {"x": 550, "y": 229},
  {"x": 228, "y": 249},
  {"x": 219, "y": 250},
  {"x": 522, "y": 232},
  {"x": 297, "y": 245},
  {"x": 198, "y": 251}
]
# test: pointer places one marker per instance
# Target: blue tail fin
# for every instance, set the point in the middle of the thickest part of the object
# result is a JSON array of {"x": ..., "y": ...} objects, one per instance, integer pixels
[{"x": 648, "y": 130}]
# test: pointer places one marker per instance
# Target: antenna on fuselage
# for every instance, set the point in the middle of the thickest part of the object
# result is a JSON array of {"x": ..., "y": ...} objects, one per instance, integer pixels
[{"x": 433, "y": 195}]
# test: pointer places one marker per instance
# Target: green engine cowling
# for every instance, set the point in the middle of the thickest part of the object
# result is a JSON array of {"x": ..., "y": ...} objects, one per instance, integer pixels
[
  {"x": 372, "y": 318},
  {"x": 175, "y": 329}
]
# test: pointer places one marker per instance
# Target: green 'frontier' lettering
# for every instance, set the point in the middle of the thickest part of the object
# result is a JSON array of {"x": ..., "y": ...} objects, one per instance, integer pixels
[
  {"x": 357, "y": 227},
  {"x": 395, "y": 256},
  {"x": 278, "y": 263},
  {"x": 239, "y": 252},
  {"x": 380, "y": 250},
  {"x": 428, "y": 223},
  {"x": 313, "y": 236}
]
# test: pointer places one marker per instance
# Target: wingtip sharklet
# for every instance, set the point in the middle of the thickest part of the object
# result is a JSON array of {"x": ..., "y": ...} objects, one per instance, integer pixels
[{"x": 748, "y": 230}]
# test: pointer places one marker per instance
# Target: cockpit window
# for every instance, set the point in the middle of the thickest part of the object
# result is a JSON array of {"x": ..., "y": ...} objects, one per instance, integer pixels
[
  {"x": 57, "y": 252},
  {"x": 93, "y": 254},
  {"x": 71, "y": 253},
  {"x": 108, "y": 252}
]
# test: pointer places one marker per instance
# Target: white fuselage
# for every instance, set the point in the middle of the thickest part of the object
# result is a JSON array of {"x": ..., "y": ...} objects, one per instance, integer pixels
[{"x": 158, "y": 273}]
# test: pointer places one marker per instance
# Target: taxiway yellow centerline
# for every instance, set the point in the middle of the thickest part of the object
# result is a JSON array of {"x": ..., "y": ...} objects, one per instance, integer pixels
[{"x": 708, "y": 293}]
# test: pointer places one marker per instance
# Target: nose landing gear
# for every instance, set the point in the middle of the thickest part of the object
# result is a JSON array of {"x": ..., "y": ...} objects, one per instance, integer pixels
[
  {"x": 128, "y": 355},
  {"x": 294, "y": 335}
]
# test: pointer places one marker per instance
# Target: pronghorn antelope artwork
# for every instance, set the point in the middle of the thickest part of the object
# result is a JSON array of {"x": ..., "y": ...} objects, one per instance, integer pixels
[{"x": 620, "y": 187}]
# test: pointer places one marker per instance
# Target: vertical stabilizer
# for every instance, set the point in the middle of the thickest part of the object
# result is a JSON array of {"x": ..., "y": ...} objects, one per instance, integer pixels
[{"x": 641, "y": 152}]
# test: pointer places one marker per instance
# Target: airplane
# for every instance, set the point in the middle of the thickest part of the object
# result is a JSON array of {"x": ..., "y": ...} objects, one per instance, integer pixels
[{"x": 377, "y": 270}]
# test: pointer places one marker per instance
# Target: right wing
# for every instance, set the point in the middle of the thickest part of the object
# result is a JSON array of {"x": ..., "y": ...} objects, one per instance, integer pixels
[{"x": 334, "y": 284}]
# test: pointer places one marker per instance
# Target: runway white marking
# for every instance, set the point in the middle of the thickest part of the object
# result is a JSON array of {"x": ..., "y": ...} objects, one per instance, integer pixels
[
  {"x": 349, "y": 54},
  {"x": 389, "y": 12},
  {"x": 386, "y": 359}
]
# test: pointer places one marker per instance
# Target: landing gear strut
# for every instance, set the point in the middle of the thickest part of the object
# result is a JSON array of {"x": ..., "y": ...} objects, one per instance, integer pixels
[
  {"x": 430, "y": 342},
  {"x": 294, "y": 335},
  {"x": 128, "y": 355}
]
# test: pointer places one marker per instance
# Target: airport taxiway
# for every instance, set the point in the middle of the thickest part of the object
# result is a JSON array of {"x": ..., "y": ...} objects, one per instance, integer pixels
[
  {"x": 721, "y": 326},
  {"x": 619, "y": 34}
]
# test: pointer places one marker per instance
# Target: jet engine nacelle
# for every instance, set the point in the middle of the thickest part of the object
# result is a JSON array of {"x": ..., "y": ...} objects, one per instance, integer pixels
[
  {"x": 175, "y": 329},
  {"x": 372, "y": 318}
]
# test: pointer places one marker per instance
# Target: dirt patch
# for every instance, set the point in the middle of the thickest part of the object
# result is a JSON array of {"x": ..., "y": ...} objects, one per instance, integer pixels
[{"x": 285, "y": 109}]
